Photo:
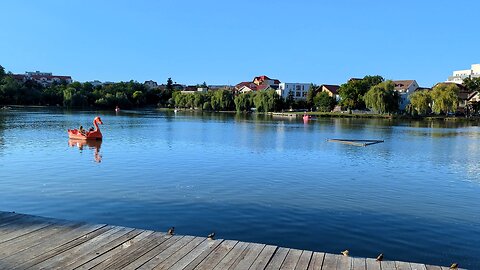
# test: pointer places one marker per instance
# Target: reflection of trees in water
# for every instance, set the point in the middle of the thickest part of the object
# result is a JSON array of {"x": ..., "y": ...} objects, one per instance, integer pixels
[{"x": 2, "y": 128}]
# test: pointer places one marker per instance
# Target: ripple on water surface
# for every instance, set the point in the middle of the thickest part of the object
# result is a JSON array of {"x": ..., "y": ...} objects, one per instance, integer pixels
[{"x": 255, "y": 179}]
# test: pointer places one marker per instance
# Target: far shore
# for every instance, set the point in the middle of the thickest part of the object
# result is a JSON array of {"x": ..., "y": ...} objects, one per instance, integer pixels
[{"x": 297, "y": 113}]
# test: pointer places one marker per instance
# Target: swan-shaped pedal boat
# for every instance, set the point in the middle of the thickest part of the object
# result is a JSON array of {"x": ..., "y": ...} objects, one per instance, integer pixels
[
  {"x": 307, "y": 117},
  {"x": 87, "y": 135}
]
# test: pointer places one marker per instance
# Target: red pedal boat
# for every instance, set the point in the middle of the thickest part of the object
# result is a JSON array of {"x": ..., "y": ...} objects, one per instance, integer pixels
[{"x": 87, "y": 135}]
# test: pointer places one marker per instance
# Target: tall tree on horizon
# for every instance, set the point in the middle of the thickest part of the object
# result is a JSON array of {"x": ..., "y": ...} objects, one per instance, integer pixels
[
  {"x": 169, "y": 84},
  {"x": 312, "y": 91},
  {"x": 2, "y": 72}
]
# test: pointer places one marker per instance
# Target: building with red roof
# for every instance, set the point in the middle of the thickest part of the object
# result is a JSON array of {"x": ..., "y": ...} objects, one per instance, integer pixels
[{"x": 43, "y": 78}]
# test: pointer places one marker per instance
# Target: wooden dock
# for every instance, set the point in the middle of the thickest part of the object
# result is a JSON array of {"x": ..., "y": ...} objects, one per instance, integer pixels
[
  {"x": 32, "y": 242},
  {"x": 356, "y": 142}
]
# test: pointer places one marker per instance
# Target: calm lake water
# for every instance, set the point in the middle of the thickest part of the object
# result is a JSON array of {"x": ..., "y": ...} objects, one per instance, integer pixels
[{"x": 415, "y": 197}]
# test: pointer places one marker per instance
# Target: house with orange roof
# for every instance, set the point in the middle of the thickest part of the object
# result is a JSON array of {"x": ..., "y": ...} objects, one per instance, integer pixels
[
  {"x": 265, "y": 80},
  {"x": 331, "y": 90}
]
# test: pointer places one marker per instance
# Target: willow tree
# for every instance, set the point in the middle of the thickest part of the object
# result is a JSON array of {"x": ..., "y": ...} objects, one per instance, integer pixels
[
  {"x": 421, "y": 101},
  {"x": 267, "y": 101},
  {"x": 445, "y": 98},
  {"x": 382, "y": 98},
  {"x": 243, "y": 102},
  {"x": 353, "y": 91}
]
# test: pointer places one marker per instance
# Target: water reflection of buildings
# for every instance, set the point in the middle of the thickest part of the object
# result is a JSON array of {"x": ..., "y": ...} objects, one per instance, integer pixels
[{"x": 90, "y": 144}]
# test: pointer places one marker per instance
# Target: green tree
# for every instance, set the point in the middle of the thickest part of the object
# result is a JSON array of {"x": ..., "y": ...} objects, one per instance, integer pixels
[
  {"x": 324, "y": 102},
  {"x": 68, "y": 96},
  {"x": 312, "y": 92},
  {"x": 9, "y": 88},
  {"x": 382, "y": 98},
  {"x": 243, "y": 102},
  {"x": 445, "y": 98},
  {"x": 472, "y": 84},
  {"x": 207, "y": 106},
  {"x": 198, "y": 100},
  {"x": 2, "y": 73},
  {"x": 420, "y": 101},
  {"x": 222, "y": 100},
  {"x": 267, "y": 101},
  {"x": 138, "y": 98},
  {"x": 169, "y": 85},
  {"x": 370, "y": 81},
  {"x": 353, "y": 91}
]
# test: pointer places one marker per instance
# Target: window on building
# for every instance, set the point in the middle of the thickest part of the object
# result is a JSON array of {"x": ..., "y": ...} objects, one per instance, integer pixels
[{"x": 297, "y": 94}]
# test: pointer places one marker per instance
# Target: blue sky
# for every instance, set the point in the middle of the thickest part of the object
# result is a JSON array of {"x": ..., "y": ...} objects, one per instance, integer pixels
[{"x": 225, "y": 42}]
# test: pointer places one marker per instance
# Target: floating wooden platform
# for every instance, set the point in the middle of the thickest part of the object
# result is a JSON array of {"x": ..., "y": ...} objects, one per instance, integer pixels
[
  {"x": 356, "y": 142},
  {"x": 31, "y": 242}
]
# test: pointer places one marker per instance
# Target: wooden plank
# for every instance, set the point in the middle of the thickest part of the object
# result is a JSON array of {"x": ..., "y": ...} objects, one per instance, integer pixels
[
  {"x": 248, "y": 256},
  {"x": 359, "y": 264},
  {"x": 316, "y": 261},
  {"x": 402, "y": 265},
  {"x": 330, "y": 262},
  {"x": 263, "y": 258},
  {"x": 38, "y": 232},
  {"x": 167, "y": 264},
  {"x": 433, "y": 267},
  {"x": 196, "y": 253},
  {"x": 37, "y": 255},
  {"x": 388, "y": 265},
  {"x": 116, "y": 254},
  {"x": 90, "y": 249},
  {"x": 167, "y": 252},
  {"x": 304, "y": 260},
  {"x": 43, "y": 235},
  {"x": 230, "y": 258},
  {"x": 291, "y": 260},
  {"x": 101, "y": 248},
  {"x": 8, "y": 219},
  {"x": 148, "y": 244},
  {"x": 277, "y": 259},
  {"x": 22, "y": 229},
  {"x": 344, "y": 262},
  {"x": 372, "y": 264},
  {"x": 417, "y": 266},
  {"x": 148, "y": 254},
  {"x": 214, "y": 257}
]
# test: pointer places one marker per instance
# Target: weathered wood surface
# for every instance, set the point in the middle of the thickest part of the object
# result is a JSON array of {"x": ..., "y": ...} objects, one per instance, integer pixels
[{"x": 31, "y": 242}]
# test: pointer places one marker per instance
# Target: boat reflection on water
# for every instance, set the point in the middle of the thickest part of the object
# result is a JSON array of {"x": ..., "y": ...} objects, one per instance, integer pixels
[{"x": 90, "y": 144}]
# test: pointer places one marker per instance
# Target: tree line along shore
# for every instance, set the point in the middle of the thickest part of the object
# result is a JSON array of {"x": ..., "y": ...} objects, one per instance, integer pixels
[{"x": 371, "y": 94}]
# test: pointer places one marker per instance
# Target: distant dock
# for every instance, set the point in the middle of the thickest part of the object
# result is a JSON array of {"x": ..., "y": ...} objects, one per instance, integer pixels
[
  {"x": 285, "y": 115},
  {"x": 32, "y": 242},
  {"x": 356, "y": 142}
]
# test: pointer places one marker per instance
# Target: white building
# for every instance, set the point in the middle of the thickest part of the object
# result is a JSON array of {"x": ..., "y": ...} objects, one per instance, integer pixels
[
  {"x": 405, "y": 88},
  {"x": 298, "y": 90},
  {"x": 459, "y": 75}
]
